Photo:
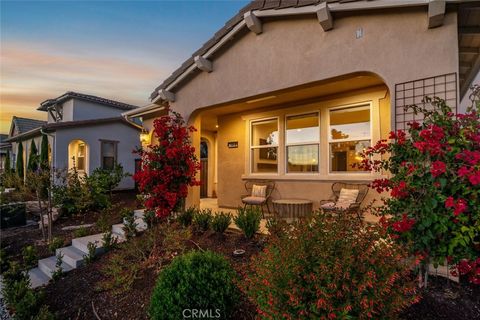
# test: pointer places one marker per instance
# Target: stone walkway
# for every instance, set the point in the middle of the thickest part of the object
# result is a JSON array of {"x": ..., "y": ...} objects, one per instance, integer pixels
[{"x": 74, "y": 256}]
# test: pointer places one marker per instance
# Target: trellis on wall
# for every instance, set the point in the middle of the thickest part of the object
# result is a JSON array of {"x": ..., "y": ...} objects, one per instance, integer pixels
[{"x": 413, "y": 92}]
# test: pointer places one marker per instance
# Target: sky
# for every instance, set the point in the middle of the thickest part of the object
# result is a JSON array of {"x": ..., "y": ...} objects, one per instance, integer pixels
[{"x": 119, "y": 50}]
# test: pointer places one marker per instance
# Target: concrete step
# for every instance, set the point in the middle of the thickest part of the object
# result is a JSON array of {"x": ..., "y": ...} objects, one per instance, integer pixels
[
  {"x": 37, "y": 278},
  {"x": 48, "y": 266},
  {"x": 139, "y": 213},
  {"x": 119, "y": 237},
  {"x": 71, "y": 256},
  {"x": 82, "y": 243},
  {"x": 118, "y": 229},
  {"x": 141, "y": 225}
]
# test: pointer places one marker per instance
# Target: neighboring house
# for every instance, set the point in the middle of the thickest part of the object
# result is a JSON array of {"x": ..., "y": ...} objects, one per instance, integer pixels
[
  {"x": 83, "y": 130},
  {"x": 293, "y": 91},
  {"x": 5, "y": 150}
]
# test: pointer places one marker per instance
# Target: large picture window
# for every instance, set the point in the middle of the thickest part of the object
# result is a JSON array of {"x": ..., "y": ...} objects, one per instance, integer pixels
[
  {"x": 349, "y": 135},
  {"x": 264, "y": 146},
  {"x": 302, "y": 138},
  {"x": 109, "y": 154}
]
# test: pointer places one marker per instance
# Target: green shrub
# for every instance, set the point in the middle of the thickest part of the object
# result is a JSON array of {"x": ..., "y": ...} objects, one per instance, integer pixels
[
  {"x": 80, "y": 232},
  {"x": 277, "y": 227},
  {"x": 30, "y": 258},
  {"x": 248, "y": 220},
  {"x": 197, "y": 280},
  {"x": 108, "y": 240},
  {"x": 331, "y": 267},
  {"x": 92, "y": 251},
  {"x": 129, "y": 224},
  {"x": 221, "y": 221},
  {"x": 55, "y": 244},
  {"x": 202, "y": 219},
  {"x": 185, "y": 217}
]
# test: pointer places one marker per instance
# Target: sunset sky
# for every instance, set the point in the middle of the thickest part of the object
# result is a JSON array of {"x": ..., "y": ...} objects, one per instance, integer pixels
[{"x": 115, "y": 49}]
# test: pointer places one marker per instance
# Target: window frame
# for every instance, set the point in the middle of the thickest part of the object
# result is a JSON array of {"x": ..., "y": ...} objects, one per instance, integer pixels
[
  {"x": 307, "y": 143},
  {"x": 329, "y": 140},
  {"x": 250, "y": 147},
  {"x": 83, "y": 157},
  {"x": 115, "y": 152}
]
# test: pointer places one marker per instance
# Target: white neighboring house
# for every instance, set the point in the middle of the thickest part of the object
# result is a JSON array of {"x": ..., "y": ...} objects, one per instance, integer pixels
[{"x": 84, "y": 130}]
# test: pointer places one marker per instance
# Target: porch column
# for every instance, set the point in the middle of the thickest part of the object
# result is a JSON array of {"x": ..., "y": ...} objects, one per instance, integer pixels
[{"x": 193, "y": 197}]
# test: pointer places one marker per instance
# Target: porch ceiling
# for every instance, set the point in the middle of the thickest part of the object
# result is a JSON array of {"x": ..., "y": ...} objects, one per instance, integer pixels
[
  {"x": 289, "y": 97},
  {"x": 468, "y": 43}
]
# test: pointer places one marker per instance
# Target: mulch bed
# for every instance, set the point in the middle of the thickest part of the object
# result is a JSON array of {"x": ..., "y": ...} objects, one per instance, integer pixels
[
  {"x": 77, "y": 294},
  {"x": 71, "y": 297},
  {"x": 13, "y": 240}
]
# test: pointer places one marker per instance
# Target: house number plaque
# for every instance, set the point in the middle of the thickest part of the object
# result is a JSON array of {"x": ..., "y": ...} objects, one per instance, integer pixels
[{"x": 232, "y": 144}]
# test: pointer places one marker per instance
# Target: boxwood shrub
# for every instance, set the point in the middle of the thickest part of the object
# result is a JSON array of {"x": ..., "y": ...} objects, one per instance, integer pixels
[{"x": 197, "y": 282}]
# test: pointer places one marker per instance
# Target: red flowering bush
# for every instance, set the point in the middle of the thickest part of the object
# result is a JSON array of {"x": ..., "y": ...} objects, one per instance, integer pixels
[
  {"x": 331, "y": 268},
  {"x": 169, "y": 167},
  {"x": 435, "y": 185}
]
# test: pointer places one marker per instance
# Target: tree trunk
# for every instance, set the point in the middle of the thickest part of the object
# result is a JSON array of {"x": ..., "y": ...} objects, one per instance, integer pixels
[{"x": 42, "y": 223}]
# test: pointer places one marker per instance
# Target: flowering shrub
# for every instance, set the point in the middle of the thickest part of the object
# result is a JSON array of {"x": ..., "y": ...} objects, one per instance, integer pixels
[
  {"x": 169, "y": 167},
  {"x": 435, "y": 186},
  {"x": 328, "y": 268}
]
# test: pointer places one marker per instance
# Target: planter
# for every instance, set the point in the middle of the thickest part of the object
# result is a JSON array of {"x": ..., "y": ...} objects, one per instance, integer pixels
[{"x": 13, "y": 215}]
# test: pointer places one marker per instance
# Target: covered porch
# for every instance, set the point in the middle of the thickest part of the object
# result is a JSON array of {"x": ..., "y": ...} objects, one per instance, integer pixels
[{"x": 303, "y": 138}]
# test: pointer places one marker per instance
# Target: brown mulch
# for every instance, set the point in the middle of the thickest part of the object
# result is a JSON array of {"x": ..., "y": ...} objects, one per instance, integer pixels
[
  {"x": 446, "y": 300},
  {"x": 13, "y": 240},
  {"x": 71, "y": 297}
]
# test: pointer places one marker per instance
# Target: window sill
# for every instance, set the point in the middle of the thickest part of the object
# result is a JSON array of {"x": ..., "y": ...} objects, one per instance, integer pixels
[{"x": 358, "y": 177}]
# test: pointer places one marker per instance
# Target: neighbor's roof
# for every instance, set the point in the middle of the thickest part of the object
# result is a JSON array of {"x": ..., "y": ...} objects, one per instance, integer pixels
[
  {"x": 75, "y": 95},
  {"x": 24, "y": 124},
  {"x": 49, "y": 127}
]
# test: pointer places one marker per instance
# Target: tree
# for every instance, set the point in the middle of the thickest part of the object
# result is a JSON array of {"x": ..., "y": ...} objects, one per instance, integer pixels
[
  {"x": 44, "y": 152},
  {"x": 8, "y": 168},
  {"x": 33, "y": 157},
  {"x": 19, "y": 164},
  {"x": 169, "y": 167}
]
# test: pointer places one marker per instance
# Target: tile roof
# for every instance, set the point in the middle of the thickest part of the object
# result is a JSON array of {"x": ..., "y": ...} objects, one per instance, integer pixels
[
  {"x": 253, "y": 5},
  {"x": 70, "y": 94},
  {"x": 24, "y": 124}
]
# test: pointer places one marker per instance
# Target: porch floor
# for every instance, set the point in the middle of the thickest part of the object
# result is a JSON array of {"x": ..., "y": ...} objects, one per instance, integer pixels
[{"x": 212, "y": 203}]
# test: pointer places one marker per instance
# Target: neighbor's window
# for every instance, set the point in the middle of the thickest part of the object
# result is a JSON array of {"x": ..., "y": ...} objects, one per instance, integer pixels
[
  {"x": 81, "y": 157},
  {"x": 264, "y": 146},
  {"x": 109, "y": 154},
  {"x": 349, "y": 135},
  {"x": 302, "y": 139}
]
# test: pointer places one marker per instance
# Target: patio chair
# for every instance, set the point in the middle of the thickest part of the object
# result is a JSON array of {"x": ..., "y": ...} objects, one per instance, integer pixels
[
  {"x": 258, "y": 194},
  {"x": 346, "y": 198}
]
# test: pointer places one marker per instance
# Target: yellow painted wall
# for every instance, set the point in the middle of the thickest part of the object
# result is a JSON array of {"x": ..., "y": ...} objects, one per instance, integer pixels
[{"x": 233, "y": 164}]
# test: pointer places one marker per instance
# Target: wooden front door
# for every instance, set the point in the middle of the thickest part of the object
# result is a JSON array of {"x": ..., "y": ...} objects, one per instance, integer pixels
[{"x": 203, "y": 170}]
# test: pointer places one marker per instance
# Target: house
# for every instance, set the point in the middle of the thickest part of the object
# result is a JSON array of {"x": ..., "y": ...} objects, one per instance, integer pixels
[
  {"x": 84, "y": 131},
  {"x": 293, "y": 91},
  {"x": 5, "y": 150}
]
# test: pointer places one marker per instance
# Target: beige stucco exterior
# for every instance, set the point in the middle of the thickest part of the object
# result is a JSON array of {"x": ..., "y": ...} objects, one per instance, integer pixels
[{"x": 396, "y": 45}]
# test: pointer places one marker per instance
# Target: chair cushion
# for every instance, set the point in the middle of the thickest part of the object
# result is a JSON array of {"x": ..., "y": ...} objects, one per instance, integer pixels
[
  {"x": 328, "y": 205},
  {"x": 347, "y": 197},
  {"x": 259, "y": 191},
  {"x": 253, "y": 200}
]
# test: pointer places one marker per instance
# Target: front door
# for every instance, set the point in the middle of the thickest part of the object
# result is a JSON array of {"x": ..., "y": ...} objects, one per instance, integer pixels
[{"x": 203, "y": 169}]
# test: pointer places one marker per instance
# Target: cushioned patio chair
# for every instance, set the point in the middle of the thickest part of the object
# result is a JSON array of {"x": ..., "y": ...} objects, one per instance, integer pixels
[
  {"x": 258, "y": 194},
  {"x": 346, "y": 198}
]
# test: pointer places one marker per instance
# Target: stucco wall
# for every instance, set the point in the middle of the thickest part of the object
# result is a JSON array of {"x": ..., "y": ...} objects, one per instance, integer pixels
[
  {"x": 126, "y": 136},
  {"x": 85, "y": 110},
  {"x": 233, "y": 167},
  {"x": 397, "y": 46}
]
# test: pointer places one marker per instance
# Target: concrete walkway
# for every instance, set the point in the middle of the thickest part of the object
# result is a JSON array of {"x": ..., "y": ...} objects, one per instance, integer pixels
[{"x": 74, "y": 256}]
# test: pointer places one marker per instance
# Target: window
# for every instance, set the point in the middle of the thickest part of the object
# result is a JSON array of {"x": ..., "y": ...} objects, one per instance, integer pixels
[
  {"x": 81, "y": 157},
  {"x": 302, "y": 138},
  {"x": 109, "y": 154},
  {"x": 349, "y": 135},
  {"x": 264, "y": 146}
]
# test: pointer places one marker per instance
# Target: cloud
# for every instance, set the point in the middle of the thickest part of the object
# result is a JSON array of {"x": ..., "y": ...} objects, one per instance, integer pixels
[{"x": 32, "y": 73}]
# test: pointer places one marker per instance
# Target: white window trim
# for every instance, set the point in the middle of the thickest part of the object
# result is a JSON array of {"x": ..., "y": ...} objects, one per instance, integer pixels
[
  {"x": 329, "y": 140},
  {"x": 286, "y": 145},
  {"x": 250, "y": 147}
]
